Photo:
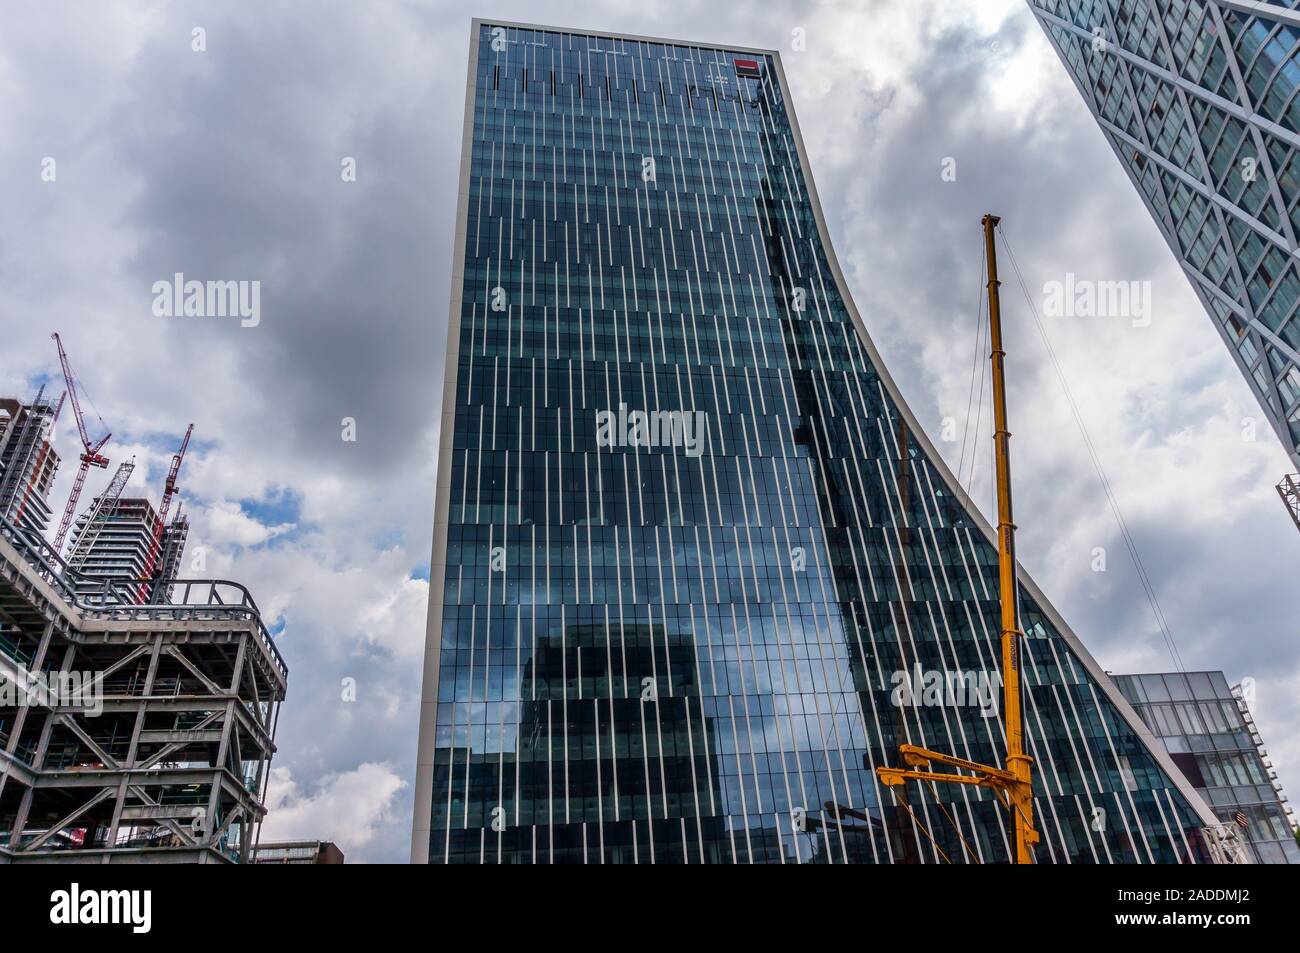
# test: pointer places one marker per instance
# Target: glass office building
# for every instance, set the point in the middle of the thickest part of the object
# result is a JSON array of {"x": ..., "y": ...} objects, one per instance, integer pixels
[
  {"x": 1210, "y": 733},
  {"x": 690, "y": 546},
  {"x": 1198, "y": 100}
]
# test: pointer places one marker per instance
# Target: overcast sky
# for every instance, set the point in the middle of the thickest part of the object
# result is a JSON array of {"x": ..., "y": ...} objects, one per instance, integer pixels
[{"x": 225, "y": 164}]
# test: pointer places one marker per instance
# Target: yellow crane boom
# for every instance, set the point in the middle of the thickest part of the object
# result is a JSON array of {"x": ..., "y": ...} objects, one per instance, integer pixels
[{"x": 1013, "y": 785}]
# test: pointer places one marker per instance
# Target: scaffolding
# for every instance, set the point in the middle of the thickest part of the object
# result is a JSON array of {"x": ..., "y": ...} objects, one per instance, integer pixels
[
  {"x": 169, "y": 558},
  {"x": 144, "y": 732},
  {"x": 1248, "y": 716},
  {"x": 1289, "y": 490}
]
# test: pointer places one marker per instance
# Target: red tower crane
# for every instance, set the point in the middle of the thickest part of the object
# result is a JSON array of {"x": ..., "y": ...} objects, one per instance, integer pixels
[
  {"x": 90, "y": 455},
  {"x": 169, "y": 491}
]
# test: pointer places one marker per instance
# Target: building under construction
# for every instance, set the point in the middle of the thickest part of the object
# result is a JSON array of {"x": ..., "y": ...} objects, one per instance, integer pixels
[
  {"x": 28, "y": 461},
  {"x": 113, "y": 541},
  {"x": 137, "y": 709},
  {"x": 130, "y": 732}
]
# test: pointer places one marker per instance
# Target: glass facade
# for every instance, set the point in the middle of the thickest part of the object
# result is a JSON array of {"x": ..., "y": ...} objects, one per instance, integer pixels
[
  {"x": 1198, "y": 100},
  {"x": 1208, "y": 730},
  {"x": 690, "y": 546}
]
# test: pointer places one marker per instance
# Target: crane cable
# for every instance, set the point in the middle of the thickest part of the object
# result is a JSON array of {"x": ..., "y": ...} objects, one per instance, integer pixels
[
  {"x": 980, "y": 325},
  {"x": 917, "y": 821},
  {"x": 953, "y": 821},
  {"x": 81, "y": 387},
  {"x": 1161, "y": 622}
]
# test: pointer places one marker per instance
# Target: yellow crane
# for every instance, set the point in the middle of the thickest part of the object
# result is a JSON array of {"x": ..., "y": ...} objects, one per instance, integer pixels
[{"x": 1012, "y": 785}]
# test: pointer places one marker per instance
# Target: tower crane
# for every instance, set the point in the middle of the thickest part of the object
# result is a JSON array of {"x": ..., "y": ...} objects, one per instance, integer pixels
[
  {"x": 169, "y": 491},
  {"x": 90, "y": 455}
]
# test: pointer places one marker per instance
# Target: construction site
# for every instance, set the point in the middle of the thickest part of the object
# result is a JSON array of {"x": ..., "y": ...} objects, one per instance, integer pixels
[{"x": 138, "y": 707}]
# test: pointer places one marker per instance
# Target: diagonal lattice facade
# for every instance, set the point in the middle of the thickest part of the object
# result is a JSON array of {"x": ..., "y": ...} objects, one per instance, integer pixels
[
  {"x": 680, "y": 645},
  {"x": 1199, "y": 101}
]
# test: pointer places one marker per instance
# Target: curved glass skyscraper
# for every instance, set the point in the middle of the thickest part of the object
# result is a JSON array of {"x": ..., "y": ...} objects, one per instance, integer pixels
[{"x": 696, "y": 569}]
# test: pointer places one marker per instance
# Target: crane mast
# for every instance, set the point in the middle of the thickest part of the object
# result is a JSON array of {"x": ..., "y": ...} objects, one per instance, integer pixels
[
  {"x": 90, "y": 455},
  {"x": 169, "y": 491},
  {"x": 1012, "y": 785}
]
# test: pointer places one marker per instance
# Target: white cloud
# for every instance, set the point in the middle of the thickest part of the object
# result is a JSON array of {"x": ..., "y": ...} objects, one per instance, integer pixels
[
  {"x": 226, "y": 523},
  {"x": 339, "y": 603},
  {"x": 347, "y": 808}
]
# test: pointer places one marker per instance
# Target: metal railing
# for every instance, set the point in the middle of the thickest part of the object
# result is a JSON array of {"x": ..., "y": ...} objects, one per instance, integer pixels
[
  {"x": 10, "y": 647},
  {"x": 42, "y": 557},
  {"x": 173, "y": 600},
  {"x": 23, "y": 751}
]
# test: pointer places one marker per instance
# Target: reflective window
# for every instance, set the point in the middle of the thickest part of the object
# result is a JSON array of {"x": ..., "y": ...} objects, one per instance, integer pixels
[{"x": 702, "y": 574}]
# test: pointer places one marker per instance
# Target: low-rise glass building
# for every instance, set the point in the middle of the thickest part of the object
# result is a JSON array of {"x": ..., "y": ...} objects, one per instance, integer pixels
[{"x": 1210, "y": 733}]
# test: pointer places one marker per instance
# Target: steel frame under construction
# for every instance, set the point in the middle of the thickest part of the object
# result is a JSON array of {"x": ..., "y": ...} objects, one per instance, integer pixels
[
  {"x": 163, "y": 750},
  {"x": 28, "y": 461},
  {"x": 1289, "y": 490}
]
